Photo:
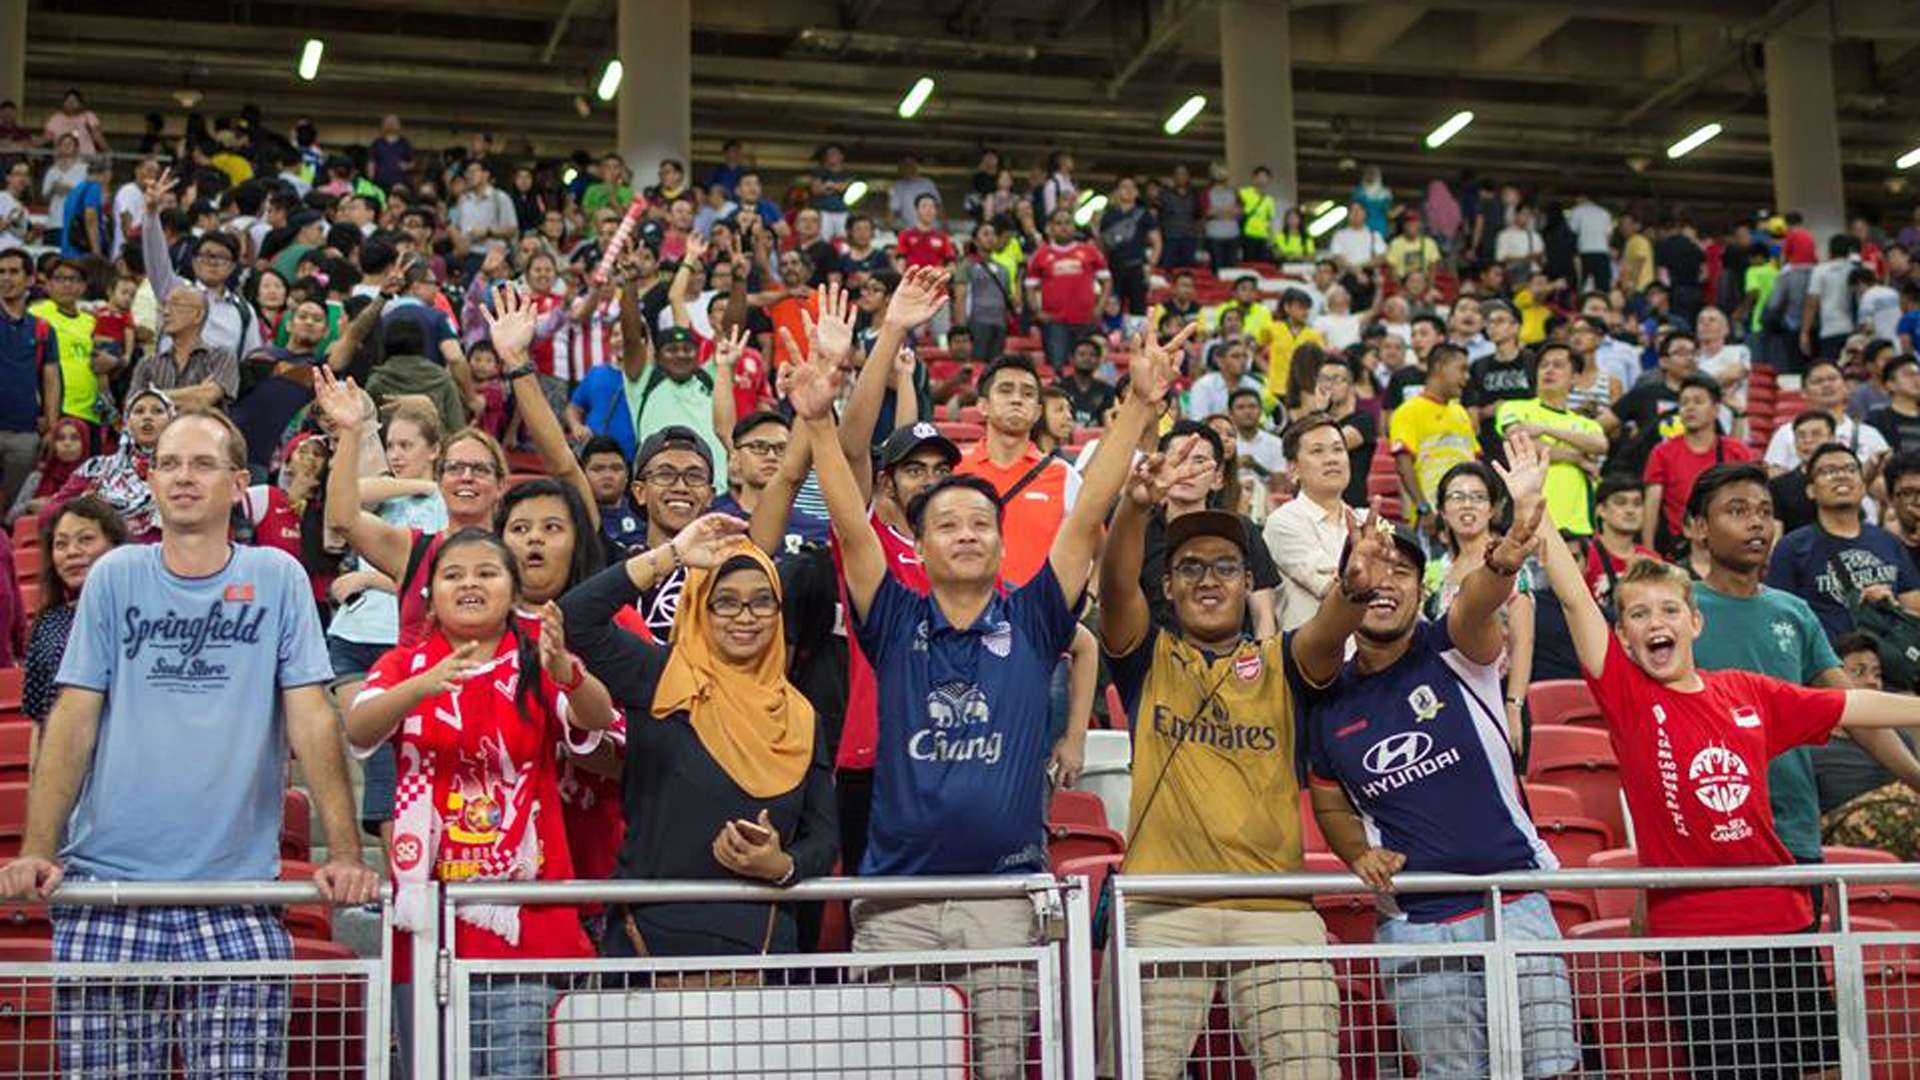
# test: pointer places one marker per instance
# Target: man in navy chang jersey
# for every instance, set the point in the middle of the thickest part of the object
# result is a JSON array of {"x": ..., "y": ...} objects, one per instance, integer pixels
[
  {"x": 1411, "y": 767},
  {"x": 959, "y": 778}
]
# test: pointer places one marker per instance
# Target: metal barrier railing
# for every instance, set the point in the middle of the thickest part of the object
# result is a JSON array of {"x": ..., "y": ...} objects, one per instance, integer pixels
[
  {"x": 947, "y": 977},
  {"x": 141, "y": 979},
  {"x": 1507, "y": 996}
]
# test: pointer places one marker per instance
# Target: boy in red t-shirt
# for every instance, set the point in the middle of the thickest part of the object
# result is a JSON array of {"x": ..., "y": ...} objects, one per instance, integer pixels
[
  {"x": 1676, "y": 463},
  {"x": 1693, "y": 748}
]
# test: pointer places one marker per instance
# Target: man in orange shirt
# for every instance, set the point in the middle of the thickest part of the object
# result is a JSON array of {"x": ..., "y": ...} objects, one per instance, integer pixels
[{"x": 1036, "y": 490}]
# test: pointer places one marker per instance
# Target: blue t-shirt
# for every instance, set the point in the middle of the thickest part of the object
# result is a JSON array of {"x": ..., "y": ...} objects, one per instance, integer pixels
[
  {"x": 189, "y": 768},
  {"x": 602, "y": 398},
  {"x": 1801, "y": 566},
  {"x": 803, "y": 529},
  {"x": 1909, "y": 326},
  {"x": 88, "y": 194},
  {"x": 959, "y": 781},
  {"x": 1421, "y": 749},
  {"x": 624, "y": 527}
]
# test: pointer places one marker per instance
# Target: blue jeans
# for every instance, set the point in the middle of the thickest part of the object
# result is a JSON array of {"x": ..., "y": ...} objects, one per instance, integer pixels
[{"x": 507, "y": 1027}]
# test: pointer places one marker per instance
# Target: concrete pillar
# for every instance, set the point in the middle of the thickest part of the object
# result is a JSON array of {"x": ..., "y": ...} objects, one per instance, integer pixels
[
  {"x": 13, "y": 54},
  {"x": 1804, "y": 133},
  {"x": 1256, "y": 89},
  {"x": 655, "y": 39}
]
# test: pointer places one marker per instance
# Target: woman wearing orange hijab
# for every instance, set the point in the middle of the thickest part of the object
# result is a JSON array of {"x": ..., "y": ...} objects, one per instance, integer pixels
[{"x": 726, "y": 773}]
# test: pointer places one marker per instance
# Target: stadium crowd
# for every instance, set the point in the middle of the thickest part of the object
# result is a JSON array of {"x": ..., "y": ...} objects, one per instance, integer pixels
[{"x": 696, "y": 528}]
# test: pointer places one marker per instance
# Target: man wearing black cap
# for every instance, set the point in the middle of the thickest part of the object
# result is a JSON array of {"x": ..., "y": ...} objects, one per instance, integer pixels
[
  {"x": 673, "y": 480},
  {"x": 1216, "y": 772},
  {"x": 230, "y": 323},
  {"x": 1412, "y": 768},
  {"x": 1190, "y": 495},
  {"x": 760, "y": 444}
]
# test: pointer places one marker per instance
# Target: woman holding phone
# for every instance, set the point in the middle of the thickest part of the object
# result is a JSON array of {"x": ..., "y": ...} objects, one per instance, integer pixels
[{"x": 726, "y": 772}]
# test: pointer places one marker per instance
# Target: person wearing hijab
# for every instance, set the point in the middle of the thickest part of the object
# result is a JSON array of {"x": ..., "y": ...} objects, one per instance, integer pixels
[
  {"x": 61, "y": 455},
  {"x": 727, "y": 776},
  {"x": 120, "y": 478}
]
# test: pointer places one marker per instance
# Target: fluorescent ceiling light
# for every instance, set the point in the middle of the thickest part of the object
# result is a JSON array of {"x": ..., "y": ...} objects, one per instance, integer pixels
[
  {"x": 1701, "y": 135},
  {"x": 1909, "y": 159},
  {"x": 917, "y": 96},
  {"x": 1090, "y": 206},
  {"x": 854, "y": 193},
  {"x": 310, "y": 58},
  {"x": 1326, "y": 222},
  {"x": 1455, "y": 125},
  {"x": 1323, "y": 206},
  {"x": 1184, "y": 115},
  {"x": 610, "y": 80}
]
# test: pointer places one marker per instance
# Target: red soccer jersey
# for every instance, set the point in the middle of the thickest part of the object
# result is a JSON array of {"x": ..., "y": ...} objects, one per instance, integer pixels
[
  {"x": 1694, "y": 770},
  {"x": 924, "y": 247},
  {"x": 1068, "y": 277},
  {"x": 1675, "y": 465},
  {"x": 749, "y": 379},
  {"x": 542, "y": 350},
  {"x": 861, "y": 730}
]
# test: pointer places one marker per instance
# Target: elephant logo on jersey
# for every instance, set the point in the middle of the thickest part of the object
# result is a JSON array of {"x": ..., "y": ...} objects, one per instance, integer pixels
[
  {"x": 1425, "y": 703},
  {"x": 1396, "y": 752},
  {"x": 957, "y": 705},
  {"x": 1720, "y": 779}
]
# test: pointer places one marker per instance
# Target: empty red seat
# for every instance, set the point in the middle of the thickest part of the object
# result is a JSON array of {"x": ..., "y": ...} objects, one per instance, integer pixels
[
  {"x": 1573, "y": 839},
  {"x": 10, "y": 681},
  {"x": 1571, "y": 907},
  {"x": 1837, "y": 853},
  {"x": 1896, "y": 903},
  {"x": 296, "y": 826},
  {"x": 25, "y": 921},
  {"x": 1070, "y": 807},
  {"x": 16, "y": 749},
  {"x": 1551, "y": 798},
  {"x": 326, "y": 1020},
  {"x": 26, "y": 563},
  {"x": 27, "y": 1043},
  {"x": 962, "y": 431},
  {"x": 30, "y": 598},
  {"x": 13, "y": 816},
  {"x": 1116, "y": 712},
  {"x": 1068, "y": 842},
  {"x": 1562, "y": 701},
  {"x": 1582, "y": 759},
  {"x": 1614, "y": 903}
]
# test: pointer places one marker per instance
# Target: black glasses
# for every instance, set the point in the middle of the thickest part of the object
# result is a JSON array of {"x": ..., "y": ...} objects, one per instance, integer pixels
[
  {"x": 764, "y": 606},
  {"x": 762, "y": 448},
  {"x": 1192, "y": 571},
  {"x": 668, "y": 477}
]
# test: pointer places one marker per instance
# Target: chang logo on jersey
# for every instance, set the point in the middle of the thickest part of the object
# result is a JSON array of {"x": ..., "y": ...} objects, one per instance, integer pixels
[
  {"x": 1721, "y": 780},
  {"x": 1402, "y": 758},
  {"x": 961, "y": 719}
]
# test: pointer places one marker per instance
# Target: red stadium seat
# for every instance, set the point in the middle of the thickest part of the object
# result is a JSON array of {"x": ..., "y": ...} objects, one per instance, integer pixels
[
  {"x": 1614, "y": 903},
  {"x": 16, "y": 749},
  {"x": 296, "y": 826},
  {"x": 1582, "y": 759},
  {"x": 25, "y": 921},
  {"x": 1562, "y": 701},
  {"x": 26, "y": 563},
  {"x": 10, "y": 680},
  {"x": 1892, "y": 1003},
  {"x": 305, "y": 920},
  {"x": 1552, "y": 799},
  {"x": 1350, "y": 917},
  {"x": 1835, "y": 853},
  {"x": 962, "y": 431},
  {"x": 13, "y": 816},
  {"x": 30, "y": 597},
  {"x": 1068, "y": 842},
  {"x": 1571, "y": 907},
  {"x": 326, "y": 1021},
  {"x": 1070, "y": 807},
  {"x": 26, "y": 532},
  {"x": 1898, "y": 904},
  {"x": 1573, "y": 839},
  {"x": 1116, "y": 712},
  {"x": 1312, "y": 840},
  {"x": 28, "y": 1046}
]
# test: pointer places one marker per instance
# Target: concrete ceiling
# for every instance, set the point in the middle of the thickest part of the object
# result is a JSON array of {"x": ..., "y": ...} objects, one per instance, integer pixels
[{"x": 1565, "y": 93}]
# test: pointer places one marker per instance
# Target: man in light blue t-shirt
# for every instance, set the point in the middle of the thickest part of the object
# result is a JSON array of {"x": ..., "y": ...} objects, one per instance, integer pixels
[{"x": 193, "y": 664}]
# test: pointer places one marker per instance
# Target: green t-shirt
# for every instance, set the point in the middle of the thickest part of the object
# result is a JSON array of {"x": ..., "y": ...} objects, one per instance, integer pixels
[
  {"x": 75, "y": 332},
  {"x": 1760, "y": 279},
  {"x": 1568, "y": 485},
  {"x": 1774, "y": 633},
  {"x": 599, "y": 195},
  {"x": 688, "y": 404}
]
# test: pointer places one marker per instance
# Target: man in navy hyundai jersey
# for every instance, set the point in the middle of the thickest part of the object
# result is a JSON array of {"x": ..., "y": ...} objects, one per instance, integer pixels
[{"x": 1411, "y": 767}]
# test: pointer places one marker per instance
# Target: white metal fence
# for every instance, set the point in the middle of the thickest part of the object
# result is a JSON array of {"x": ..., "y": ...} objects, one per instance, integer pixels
[{"x": 1515, "y": 1000}]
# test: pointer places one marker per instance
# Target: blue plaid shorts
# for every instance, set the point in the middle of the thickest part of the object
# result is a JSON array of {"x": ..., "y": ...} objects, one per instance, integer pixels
[{"x": 230, "y": 1028}]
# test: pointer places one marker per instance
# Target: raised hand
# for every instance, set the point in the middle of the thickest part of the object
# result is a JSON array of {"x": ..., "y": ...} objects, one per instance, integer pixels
[
  {"x": 554, "y": 656},
  {"x": 833, "y": 333},
  {"x": 1525, "y": 471},
  {"x": 709, "y": 539},
  {"x": 922, "y": 292},
  {"x": 696, "y": 248},
  {"x": 727, "y": 350},
  {"x": 337, "y": 400},
  {"x": 1156, "y": 364},
  {"x": 447, "y": 675},
  {"x": 1521, "y": 540},
  {"x": 813, "y": 384},
  {"x": 904, "y": 363},
  {"x": 395, "y": 279},
  {"x": 155, "y": 191},
  {"x": 1370, "y": 560},
  {"x": 510, "y": 322}
]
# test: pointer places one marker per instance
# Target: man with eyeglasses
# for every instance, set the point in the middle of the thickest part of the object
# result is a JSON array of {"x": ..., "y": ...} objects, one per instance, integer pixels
[
  {"x": 760, "y": 444},
  {"x": 1841, "y": 558},
  {"x": 73, "y": 327},
  {"x": 1902, "y": 476},
  {"x": 673, "y": 480},
  {"x": 30, "y": 368},
  {"x": 1216, "y": 772},
  {"x": 1825, "y": 387},
  {"x": 1192, "y": 493},
  {"x": 230, "y": 323},
  {"x": 192, "y": 373}
]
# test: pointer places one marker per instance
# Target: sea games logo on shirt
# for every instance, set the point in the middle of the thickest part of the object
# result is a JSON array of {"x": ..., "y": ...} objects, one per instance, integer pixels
[
  {"x": 1722, "y": 782},
  {"x": 192, "y": 638}
]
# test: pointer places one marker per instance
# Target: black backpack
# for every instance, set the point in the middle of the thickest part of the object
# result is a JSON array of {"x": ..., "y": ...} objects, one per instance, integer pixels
[{"x": 1894, "y": 630}]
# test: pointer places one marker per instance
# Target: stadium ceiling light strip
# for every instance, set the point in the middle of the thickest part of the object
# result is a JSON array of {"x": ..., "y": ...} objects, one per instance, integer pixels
[
  {"x": 610, "y": 79},
  {"x": 1700, "y": 137},
  {"x": 1327, "y": 220},
  {"x": 1184, "y": 115},
  {"x": 1455, "y": 124},
  {"x": 1908, "y": 160},
  {"x": 310, "y": 58},
  {"x": 1091, "y": 203},
  {"x": 917, "y": 95},
  {"x": 854, "y": 193}
]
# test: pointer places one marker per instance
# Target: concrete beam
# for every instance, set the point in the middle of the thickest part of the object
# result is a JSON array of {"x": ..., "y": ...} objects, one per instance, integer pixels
[
  {"x": 1167, "y": 27},
  {"x": 1364, "y": 31},
  {"x": 1507, "y": 39}
]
